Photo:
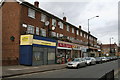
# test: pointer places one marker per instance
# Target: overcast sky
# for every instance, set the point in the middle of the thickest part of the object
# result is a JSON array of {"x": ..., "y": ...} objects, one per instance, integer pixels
[{"x": 79, "y": 11}]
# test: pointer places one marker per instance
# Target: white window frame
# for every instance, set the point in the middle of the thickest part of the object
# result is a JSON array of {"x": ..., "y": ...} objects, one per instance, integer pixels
[
  {"x": 77, "y": 32},
  {"x": 37, "y": 31},
  {"x": 68, "y": 28},
  {"x": 43, "y": 17},
  {"x": 43, "y": 32},
  {"x": 54, "y": 22},
  {"x": 60, "y": 25},
  {"x": 73, "y": 30},
  {"x": 53, "y": 34},
  {"x": 31, "y": 13},
  {"x": 30, "y": 29}
]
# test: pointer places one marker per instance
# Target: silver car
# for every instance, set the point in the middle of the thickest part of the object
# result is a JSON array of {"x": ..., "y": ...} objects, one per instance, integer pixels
[
  {"x": 90, "y": 60},
  {"x": 76, "y": 63}
]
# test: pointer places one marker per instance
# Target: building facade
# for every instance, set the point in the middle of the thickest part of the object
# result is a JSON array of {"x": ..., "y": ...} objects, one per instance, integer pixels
[
  {"x": 24, "y": 19},
  {"x": 109, "y": 49}
]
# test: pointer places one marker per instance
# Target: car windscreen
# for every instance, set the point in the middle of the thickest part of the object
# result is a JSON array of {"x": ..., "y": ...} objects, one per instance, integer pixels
[
  {"x": 76, "y": 60},
  {"x": 87, "y": 58}
]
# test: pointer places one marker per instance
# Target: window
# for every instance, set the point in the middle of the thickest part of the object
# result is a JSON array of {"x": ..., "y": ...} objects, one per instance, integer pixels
[
  {"x": 53, "y": 22},
  {"x": 84, "y": 35},
  {"x": 68, "y": 28},
  {"x": 53, "y": 34},
  {"x": 57, "y": 34},
  {"x": 30, "y": 29},
  {"x": 80, "y": 33},
  {"x": 31, "y": 13},
  {"x": 37, "y": 30},
  {"x": 77, "y": 32},
  {"x": 43, "y": 32},
  {"x": 43, "y": 18},
  {"x": 60, "y": 24},
  {"x": 72, "y": 30}
]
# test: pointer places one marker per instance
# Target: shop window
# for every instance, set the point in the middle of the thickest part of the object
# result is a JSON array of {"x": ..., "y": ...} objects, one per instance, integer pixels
[
  {"x": 68, "y": 28},
  {"x": 51, "y": 56},
  {"x": 72, "y": 30},
  {"x": 54, "y": 22},
  {"x": 30, "y": 29},
  {"x": 60, "y": 25},
  {"x": 43, "y": 18},
  {"x": 37, "y": 31},
  {"x": 31, "y": 13},
  {"x": 43, "y": 32}
]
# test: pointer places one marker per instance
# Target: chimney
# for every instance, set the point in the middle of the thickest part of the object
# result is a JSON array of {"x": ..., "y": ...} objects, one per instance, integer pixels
[
  {"x": 36, "y": 4},
  {"x": 79, "y": 27},
  {"x": 64, "y": 19}
]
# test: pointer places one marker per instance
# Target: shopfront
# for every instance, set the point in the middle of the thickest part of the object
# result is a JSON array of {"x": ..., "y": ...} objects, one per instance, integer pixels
[
  {"x": 36, "y": 50},
  {"x": 67, "y": 51},
  {"x": 63, "y": 53}
]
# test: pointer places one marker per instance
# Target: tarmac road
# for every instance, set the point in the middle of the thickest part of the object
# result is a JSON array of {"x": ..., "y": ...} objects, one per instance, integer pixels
[{"x": 93, "y": 71}]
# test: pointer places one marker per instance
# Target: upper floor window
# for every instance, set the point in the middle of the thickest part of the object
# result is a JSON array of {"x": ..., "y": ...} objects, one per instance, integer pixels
[
  {"x": 60, "y": 24},
  {"x": 31, "y": 13},
  {"x": 72, "y": 30},
  {"x": 57, "y": 34},
  {"x": 77, "y": 32},
  {"x": 53, "y": 34},
  {"x": 30, "y": 29},
  {"x": 43, "y": 32},
  {"x": 37, "y": 31},
  {"x": 53, "y": 22},
  {"x": 84, "y": 35},
  {"x": 80, "y": 33},
  {"x": 68, "y": 28},
  {"x": 43, "y": 18}
]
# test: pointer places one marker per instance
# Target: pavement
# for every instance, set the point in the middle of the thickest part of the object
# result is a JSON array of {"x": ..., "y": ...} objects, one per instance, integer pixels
[{"x": 8, "y": 71}]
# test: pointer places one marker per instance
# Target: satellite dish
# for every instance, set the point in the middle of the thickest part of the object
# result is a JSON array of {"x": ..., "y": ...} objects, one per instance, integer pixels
[
  {"x": 46, "y": 23},
  {"x": 53, "y": 28}
]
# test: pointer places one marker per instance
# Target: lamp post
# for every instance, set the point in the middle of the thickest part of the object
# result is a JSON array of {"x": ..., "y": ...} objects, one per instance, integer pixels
[
  {"x": 110, "y": 45},
  {"x": 89, "y": 32}
]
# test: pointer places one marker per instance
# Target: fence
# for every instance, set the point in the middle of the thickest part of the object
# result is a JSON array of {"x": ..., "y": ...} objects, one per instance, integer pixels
[{"x": 108, "y": 76}]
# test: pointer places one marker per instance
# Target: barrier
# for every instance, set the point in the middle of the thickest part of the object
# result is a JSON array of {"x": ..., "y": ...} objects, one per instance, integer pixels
[{"x": 108, "y": 76}]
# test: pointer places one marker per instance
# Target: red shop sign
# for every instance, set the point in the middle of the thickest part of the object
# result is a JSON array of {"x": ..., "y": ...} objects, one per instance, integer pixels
[{"x": 64, "y": 45}]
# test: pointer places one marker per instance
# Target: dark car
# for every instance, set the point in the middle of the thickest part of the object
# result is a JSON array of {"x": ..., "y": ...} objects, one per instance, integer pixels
[{"x": 98, "y": 60}]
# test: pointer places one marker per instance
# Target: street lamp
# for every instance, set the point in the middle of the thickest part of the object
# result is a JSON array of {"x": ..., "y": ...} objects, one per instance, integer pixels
[
  {"x": 110, "y": 45},
  {"x": 89, "y": 31}
]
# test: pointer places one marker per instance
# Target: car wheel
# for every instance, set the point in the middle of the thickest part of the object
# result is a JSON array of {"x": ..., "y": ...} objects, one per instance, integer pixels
[{"x": 78, "y": 66}]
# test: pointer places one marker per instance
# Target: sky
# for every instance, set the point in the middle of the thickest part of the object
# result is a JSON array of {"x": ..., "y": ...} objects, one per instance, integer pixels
[{"x": 78, "y": 12}]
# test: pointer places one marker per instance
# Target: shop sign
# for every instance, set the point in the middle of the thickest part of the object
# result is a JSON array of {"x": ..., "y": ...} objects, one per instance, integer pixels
[
  {"x": 42, "y": 42},
  {"x": 64, "y": 45},
  {"x": 26, "y": 39},
  {"x": 76, "y": 47}
]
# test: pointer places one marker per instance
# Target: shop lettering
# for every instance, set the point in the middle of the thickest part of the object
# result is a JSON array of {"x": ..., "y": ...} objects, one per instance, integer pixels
[{"x": 64, "y": 45}]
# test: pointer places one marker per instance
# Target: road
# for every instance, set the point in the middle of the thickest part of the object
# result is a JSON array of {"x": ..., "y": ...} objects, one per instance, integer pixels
[{"x": 93, "y": 71}]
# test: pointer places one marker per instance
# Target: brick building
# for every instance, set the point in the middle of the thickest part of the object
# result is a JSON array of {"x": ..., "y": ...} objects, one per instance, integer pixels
[
  {"x": 109, "y": 49},
  {"x": 32, "y": 36}
]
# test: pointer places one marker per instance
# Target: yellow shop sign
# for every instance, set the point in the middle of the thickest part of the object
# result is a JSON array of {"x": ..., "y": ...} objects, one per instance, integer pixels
[
  {"x": 26, "y": 39},
  {"x": 41, "y": 42}
]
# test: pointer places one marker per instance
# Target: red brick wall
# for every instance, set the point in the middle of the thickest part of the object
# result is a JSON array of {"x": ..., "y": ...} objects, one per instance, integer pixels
[{"x": 10, "y": 27}]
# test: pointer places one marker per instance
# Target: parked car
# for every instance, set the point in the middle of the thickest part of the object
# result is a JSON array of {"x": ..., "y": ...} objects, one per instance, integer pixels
[
  {"x": 104, "y": 59},
  {"x": 98, "y": 60},
  {"x": 90, "y": 60},
  {"x": 76, "y": 63}
]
